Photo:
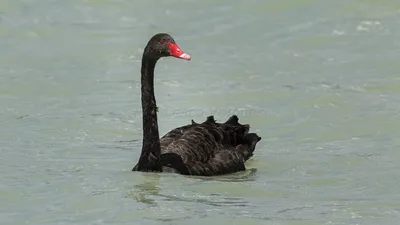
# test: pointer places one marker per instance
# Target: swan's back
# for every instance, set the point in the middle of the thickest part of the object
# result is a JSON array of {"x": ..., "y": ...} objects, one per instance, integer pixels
[{"x": 208, "y": 148}]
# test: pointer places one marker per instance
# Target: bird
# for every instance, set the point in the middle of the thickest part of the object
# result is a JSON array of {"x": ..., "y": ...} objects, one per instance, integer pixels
[{"x": 208, "y": 148}]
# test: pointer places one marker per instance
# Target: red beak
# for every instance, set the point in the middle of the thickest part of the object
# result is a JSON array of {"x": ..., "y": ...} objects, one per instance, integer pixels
[{"x": 175, "y": 51}]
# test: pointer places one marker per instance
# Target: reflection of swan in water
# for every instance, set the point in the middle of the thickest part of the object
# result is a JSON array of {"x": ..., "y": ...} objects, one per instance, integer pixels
[
  {"x": 149, "y": 191},
  {"x": 143, "y": 191},
  {"x": 248, "y": 175}
]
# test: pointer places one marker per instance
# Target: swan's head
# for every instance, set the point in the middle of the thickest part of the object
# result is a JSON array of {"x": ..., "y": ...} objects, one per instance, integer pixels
[{"x": 162, "y": 45}]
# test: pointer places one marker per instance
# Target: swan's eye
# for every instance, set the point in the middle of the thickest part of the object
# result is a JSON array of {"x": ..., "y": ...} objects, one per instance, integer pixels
[{"x": 162, "y": 41}]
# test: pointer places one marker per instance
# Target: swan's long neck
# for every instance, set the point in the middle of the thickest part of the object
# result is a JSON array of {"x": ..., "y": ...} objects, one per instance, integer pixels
[{"x": 151, "y": 150}]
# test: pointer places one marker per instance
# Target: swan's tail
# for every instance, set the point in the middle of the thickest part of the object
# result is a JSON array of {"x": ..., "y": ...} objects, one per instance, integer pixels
[
  {"x": 244, "y": 141},
  {"x": 252, "y": 140},
  {"x": 249, "y": 140},
  {"x": 247, "y": 149}
]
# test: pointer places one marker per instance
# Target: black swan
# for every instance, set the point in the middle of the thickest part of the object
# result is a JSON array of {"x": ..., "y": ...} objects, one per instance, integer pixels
[{"x": 201, "y": 149}]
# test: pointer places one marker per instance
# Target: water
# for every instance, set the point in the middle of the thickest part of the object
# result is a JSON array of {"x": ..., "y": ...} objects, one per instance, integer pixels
[{"x": 318, "y": 80}]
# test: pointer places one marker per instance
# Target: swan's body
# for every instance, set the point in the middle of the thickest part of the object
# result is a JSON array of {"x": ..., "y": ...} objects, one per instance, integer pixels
[{"x": 203, "y": 149}]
